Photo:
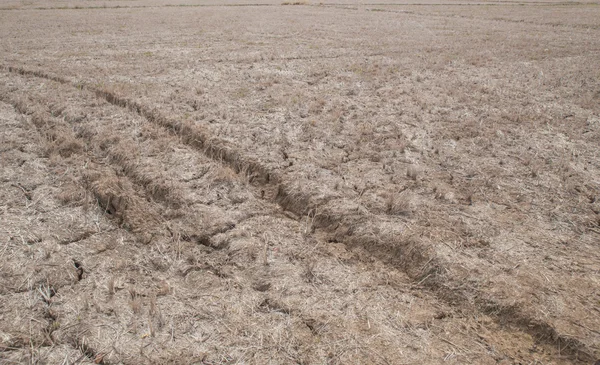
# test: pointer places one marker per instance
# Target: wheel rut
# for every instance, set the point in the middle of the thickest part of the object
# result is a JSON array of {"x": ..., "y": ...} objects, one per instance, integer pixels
[
  {"x": 82, "y": 308},
  {"x": 328, "y": 220}
]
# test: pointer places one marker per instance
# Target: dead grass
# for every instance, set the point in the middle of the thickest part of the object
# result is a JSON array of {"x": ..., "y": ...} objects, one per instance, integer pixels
[
  {"x": 412, "y": 172},
  {"x": 398, "y": 204},
  {"x": 467, "y": 166}
]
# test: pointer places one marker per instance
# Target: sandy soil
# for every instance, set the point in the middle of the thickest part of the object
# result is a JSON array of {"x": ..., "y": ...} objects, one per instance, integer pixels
[{"x": 336, "y": 183}]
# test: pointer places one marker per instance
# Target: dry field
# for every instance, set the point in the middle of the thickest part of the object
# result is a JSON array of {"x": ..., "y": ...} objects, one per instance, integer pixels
[{"x": 331, "y": 182}]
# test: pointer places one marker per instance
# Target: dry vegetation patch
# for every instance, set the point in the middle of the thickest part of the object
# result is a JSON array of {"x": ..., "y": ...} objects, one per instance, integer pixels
[{"x": 301, "y": 184}]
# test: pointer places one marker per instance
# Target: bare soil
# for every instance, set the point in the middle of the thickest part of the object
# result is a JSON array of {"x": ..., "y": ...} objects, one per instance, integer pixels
[{"x": 323, "y": 183}]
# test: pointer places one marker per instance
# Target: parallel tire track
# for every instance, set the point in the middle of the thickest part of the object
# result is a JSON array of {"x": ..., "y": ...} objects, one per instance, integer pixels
[
  {"x": 411, "y": 256},
  {"x": 114, "y": 196}
]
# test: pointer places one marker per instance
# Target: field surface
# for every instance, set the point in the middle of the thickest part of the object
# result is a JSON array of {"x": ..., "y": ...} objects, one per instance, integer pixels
[{"x": 343, "y": 182}]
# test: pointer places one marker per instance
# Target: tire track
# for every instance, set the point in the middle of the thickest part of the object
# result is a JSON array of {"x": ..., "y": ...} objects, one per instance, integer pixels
[
  {"x": 115, "y": 196},
  {"x": 48, "y": 280},
  {"x": 53, "y": 118},
  {"x": 122, "y": 153},
  {"x": 410, "y": 256}
]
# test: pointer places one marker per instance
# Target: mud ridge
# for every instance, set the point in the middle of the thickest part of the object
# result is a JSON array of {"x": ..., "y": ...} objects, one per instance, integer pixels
[
  {"x": 410, "y": 256},
  {"x": 115, "y": 197},
  {"x": 88, "y": 352},
  {"x": 117, "y": 154}
]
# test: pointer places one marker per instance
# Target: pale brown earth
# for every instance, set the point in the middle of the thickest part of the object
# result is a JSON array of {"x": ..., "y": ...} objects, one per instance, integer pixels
[{"x": 326, "y": 183}]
